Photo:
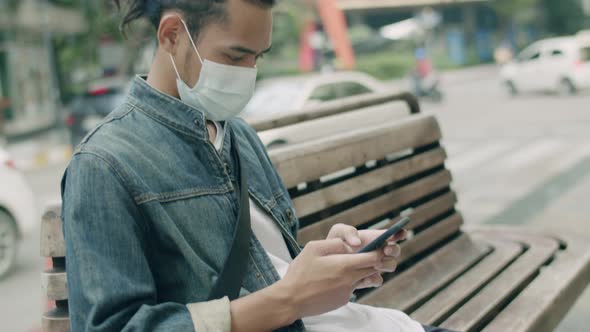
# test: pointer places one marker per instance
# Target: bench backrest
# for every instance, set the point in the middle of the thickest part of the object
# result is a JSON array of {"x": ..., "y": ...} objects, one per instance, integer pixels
[
  {"x": 364, "y": 177},
  {"x": 326, "y": 126},
  {"x": 335, "y": 107},
  {"x": 368, "y": 177}
]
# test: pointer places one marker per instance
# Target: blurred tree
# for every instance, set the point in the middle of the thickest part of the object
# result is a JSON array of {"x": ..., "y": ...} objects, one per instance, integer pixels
[
  {"x": 559, "y": 17},
  {"x": 509, "y": 8},
  {"x": 512, "y": 11},
  {"x": 563, "y": 17},
  {"x": 79, "y": 53}
]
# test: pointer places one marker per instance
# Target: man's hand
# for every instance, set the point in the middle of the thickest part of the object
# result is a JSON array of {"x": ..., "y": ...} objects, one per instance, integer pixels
[
  {"x": 358, "y": 239},
  {"x": 324, "y": 275}
]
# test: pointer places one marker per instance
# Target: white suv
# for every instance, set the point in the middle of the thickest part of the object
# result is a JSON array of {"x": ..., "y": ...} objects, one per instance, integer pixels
[
  {"x": 557, "y": 64},
  {"x": 18, "y": 211}
]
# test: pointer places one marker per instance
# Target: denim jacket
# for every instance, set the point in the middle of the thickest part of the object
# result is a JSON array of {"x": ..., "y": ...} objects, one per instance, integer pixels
[{"x": 149, "y": 209}]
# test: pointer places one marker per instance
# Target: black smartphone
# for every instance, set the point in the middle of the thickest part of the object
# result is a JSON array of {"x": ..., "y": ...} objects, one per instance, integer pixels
[{"x": 380, "y": 241}]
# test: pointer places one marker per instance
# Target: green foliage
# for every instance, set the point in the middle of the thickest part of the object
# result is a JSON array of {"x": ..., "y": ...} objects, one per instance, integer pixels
[
  {"x": 386, "y": 65},
  {"x": 509, "y": 8},
  {"x": 563, "y": 17}
]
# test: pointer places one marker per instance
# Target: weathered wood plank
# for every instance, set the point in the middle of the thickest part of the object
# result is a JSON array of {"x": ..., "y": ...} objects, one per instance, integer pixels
[
  {"x": 473, "y": 315},
  {"x": 52, "y": 240},
  {"x": 54, "y": 284},
  {"x": 379, "y": 206},
  {"x": 331, "y": 108},
  {"x": 451, "y": 297},
  {"x": 310, "y": 160},
  {"x": 427, "y": 276},
  {"x": 425, "y": 212},
  {"x": 544, "y": 303},
  {"x": 327, "y": 126},
  {"x": 431, "y": 236},
  {"x": 359, "y": 185}
]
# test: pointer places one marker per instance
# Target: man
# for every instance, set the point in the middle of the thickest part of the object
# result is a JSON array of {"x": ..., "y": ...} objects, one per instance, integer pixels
[{"x": 151, "y": 199}]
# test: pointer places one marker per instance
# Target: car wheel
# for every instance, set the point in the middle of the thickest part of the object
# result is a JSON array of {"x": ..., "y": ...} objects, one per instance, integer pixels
[
  {"x": 8, "y": 243},
  {"x": 511, "y": 87},
  {"x": 566, "y": 87}
]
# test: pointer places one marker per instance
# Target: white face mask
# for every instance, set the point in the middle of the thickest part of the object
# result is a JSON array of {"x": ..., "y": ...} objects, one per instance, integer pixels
[{"x": 222, "y": 91}]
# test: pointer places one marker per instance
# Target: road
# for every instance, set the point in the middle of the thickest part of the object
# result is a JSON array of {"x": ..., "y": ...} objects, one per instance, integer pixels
[{"x": 511, "y": 159}]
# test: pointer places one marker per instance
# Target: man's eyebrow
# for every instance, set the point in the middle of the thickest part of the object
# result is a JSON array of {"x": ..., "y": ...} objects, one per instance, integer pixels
[{"x": 249, "y": 51}]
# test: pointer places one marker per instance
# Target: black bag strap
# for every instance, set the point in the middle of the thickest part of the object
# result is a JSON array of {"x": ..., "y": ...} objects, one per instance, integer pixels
[{"x": 234, "y": 270}]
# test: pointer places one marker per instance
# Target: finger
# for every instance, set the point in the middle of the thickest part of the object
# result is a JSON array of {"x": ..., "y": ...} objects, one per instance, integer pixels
[
  {"x": 399, "y": 236},
  {"x": 389, "y": 264},
  {"x": 330, "y": 247},
  {"x": 368, "y": 235},
  {"x": 360, "y": 261},
  {"x": 357, "y": 275},
  {"x": 393, "y": 250},
  {"x": 346, "y": 232},
  {"x": 374, "y": 280}
]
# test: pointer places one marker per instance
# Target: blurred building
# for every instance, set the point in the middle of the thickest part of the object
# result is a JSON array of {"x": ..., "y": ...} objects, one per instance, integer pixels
[
  {"x": 466, "y": 25},
  {"x": 27, "y": 65}
]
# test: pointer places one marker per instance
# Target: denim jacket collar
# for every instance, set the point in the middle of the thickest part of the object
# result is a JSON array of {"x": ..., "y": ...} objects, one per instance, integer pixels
[{"x": 173, "y": 112}]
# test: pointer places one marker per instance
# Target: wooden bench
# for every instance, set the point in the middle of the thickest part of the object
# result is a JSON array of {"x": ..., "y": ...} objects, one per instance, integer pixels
[
  {"x": 333, "y": 117},
  {"x": 334, "y": 107},
  {"x": 480, "y": 278}
]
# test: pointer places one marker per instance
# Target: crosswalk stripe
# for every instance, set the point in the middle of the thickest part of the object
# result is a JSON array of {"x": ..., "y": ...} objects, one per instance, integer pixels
[
  {"x": 456, "y": 148},
  {"x": 478, "y": 156},
  {"x": 521, "y": 170},
  {"x": 569, "y": 159},
  {"x": 529, "y": 154}
]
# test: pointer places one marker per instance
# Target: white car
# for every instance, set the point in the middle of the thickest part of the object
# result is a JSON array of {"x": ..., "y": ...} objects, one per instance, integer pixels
[
  {"x": 557, "y": 64},
  {"x": 18, "y": 211},
  {"x": 277, "y": 96}
]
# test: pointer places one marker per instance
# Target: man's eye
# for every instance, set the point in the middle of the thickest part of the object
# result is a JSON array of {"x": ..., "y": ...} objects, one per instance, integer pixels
[{"x": 234, "y": 58}]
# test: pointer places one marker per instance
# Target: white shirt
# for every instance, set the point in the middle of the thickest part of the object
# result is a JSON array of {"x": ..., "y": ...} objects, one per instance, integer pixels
[{"x": 351, "y": 317}]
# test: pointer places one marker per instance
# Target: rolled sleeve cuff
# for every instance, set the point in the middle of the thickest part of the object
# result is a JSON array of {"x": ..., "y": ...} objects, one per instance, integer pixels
[{"x": 211, "y": 316}]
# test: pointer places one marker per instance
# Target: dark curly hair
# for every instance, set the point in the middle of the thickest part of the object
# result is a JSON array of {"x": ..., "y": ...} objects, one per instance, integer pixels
[{"x": 201, "y": 12}]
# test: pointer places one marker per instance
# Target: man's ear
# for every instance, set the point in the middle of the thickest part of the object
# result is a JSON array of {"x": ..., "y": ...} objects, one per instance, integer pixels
[{"x": 169, "y": 33}]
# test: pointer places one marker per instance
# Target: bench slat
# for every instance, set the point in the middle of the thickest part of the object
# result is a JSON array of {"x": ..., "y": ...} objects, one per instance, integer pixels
[
  {"x": 360, "y": 214},
  {"x": 425, "y": 212},
  {"x": 494, "y": 295},
  {"x": 334, "y": 107},
  {"x": 310, "y": 160},
  {"x": 322, "y": 127},
  {"x": 430, "y": 237},
  {"x": 56, "y": 320},
  {"x": 54, "y": 284},
  {"x": 451, "y": 297},
  {"x": 542, "y": 305},
  {"x": 52, "y": 239},
  {"x": 426, "y": 277},
  {"x": 358, "y": 185}
]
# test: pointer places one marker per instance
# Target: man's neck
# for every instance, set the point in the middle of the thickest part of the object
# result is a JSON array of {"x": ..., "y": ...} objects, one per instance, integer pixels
[{"x": 161, "y": 76}]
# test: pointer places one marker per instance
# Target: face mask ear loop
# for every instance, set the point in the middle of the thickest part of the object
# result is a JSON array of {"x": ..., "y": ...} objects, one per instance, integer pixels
[
  {"x": 191, "y": 39},
  {"x": 174, "y": 65}
]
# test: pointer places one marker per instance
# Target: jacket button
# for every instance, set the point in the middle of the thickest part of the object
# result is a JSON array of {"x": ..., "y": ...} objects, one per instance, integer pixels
[{"x": 290, "y": 216}]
